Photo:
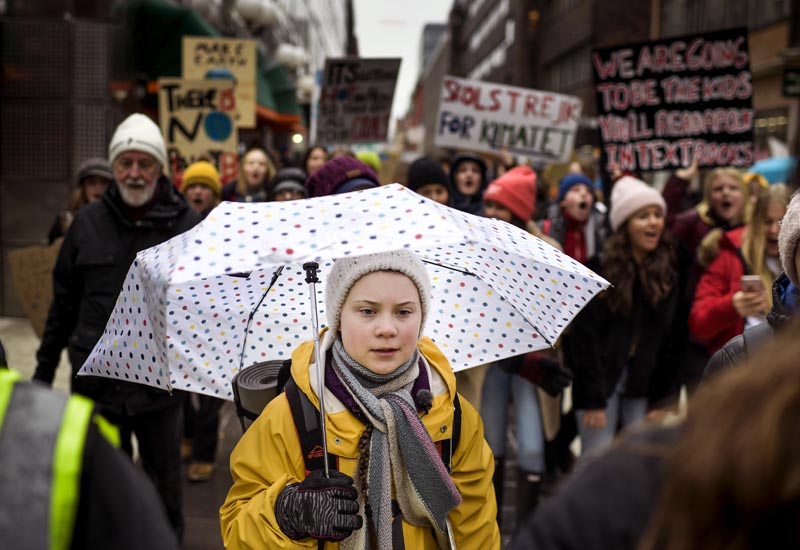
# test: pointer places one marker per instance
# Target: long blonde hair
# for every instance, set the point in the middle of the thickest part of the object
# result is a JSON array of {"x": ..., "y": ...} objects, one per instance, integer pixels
[
  {"x": 241, "y": 183},
  {"x": 754, "y": 239}
]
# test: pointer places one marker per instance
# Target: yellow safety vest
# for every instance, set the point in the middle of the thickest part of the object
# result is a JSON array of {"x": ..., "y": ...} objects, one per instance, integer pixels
[{"x": 42, "y": 437}]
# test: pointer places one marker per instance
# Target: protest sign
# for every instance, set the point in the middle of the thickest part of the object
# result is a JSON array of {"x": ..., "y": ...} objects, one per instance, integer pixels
[
  {"x": 196, "y": 118},
  {"x": 32, "y": 277},
  {"x": 355, "y": 100},
  {"x": 484, "y": 116},
  {"x": 665, "y": 102},
  {"x": 206, "y": 57}
]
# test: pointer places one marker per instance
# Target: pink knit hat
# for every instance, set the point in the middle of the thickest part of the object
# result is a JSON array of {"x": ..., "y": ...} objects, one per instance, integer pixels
[{"x": 628, "y": 196}]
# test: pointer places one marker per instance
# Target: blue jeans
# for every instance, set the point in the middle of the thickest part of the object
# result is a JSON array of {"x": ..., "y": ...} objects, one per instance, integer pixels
[
  {"x": 497, "y": 388},
  {"x": 621, "y": 412}
]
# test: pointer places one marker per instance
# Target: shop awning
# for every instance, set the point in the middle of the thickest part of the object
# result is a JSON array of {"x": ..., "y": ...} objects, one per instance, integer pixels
[{"x": 158, "y": 28}]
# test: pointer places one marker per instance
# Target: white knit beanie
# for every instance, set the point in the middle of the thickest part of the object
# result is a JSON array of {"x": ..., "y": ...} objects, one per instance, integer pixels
[
  {"x": 628, "y": 196},
  {"x": 347, "y": 271},
  {"x": 789, "y": 237},
  {"x": 138, "y": 133}
]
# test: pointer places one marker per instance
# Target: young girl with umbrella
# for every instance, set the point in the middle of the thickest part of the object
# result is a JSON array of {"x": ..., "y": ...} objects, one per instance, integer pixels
[{"x": 389, "y": 404}]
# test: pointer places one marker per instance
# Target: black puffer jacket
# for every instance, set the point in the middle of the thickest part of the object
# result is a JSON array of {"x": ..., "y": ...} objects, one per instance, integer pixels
[
  {"x": 784, "y": 299},
  {"x": 94, "y": 259},
  {"x": 599, "y": 343}
]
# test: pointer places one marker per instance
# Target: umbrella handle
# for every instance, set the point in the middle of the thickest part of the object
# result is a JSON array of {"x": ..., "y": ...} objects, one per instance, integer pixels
[{"x": 311, "y": 269}]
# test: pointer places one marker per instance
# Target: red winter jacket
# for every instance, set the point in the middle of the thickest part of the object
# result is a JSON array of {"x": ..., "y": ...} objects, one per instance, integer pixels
[{"x": 713, "y": 319}]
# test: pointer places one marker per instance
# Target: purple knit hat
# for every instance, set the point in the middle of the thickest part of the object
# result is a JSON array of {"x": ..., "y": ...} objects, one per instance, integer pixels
[{"x": 331, "y": 178}]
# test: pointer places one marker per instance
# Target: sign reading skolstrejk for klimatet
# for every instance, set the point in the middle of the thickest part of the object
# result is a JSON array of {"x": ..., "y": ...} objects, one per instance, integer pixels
[
  {"x": 484, "y": 116},
  {"x": 355, "y": 100}
]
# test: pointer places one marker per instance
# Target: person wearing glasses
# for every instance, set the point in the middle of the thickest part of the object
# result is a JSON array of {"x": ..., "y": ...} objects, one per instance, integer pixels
[{"x": 141, "y": 208}]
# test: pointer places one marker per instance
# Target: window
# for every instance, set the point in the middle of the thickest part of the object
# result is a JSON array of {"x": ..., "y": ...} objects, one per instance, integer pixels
[
  {"x": 696, "y": 16},
  {"x": 570, "y": 72}
]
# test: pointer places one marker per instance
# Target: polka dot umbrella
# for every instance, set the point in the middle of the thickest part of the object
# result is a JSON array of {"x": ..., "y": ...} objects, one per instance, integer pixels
[{"x": 231, "y": 292}]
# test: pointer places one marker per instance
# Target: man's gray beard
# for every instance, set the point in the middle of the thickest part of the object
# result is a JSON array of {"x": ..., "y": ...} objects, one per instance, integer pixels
[{"x": 135, "y": 199}]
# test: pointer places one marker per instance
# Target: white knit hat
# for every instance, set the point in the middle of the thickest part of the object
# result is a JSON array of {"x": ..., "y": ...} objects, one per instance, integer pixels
[
  {"x": 138, "y": 133},
  {"x": 628, "y": 196},
  {"x": 789, "y": 237},
  {"x": 347, "y": 271}
]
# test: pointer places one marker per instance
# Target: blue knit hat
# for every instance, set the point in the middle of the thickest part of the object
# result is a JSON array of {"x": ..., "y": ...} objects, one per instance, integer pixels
[{"x": 571, "y": 180}]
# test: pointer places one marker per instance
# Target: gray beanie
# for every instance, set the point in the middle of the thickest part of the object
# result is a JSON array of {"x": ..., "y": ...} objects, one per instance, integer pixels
[
  {"x": 788, "y": 238},
  {"x": 138, "y": 133},
  {"x": 347, "y": 271}
]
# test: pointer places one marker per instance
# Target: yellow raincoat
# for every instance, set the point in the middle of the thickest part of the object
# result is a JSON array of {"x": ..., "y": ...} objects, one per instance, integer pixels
[{"x": 268, "y": 457}]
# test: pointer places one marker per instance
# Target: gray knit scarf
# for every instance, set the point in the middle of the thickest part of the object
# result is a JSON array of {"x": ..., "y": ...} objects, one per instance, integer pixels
[{"x": 400, "y": 451}]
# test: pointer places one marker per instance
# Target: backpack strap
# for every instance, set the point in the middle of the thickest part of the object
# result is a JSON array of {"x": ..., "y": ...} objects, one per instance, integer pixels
[
  {"x": 309, "y": 431},
  {"x": 447, "y": 447}
]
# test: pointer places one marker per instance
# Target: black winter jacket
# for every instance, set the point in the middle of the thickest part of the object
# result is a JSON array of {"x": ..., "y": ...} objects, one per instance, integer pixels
[
  {"x": 607, "y": 502},
  {"x": 599, "y": 342},
  {"x": 94, "y": 259}
]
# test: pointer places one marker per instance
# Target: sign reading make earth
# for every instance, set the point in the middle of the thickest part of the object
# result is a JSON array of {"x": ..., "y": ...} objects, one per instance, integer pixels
[
  {"x": 663, "y": 103},
  {"x": 206, "y": 57},
  {"x": 484, "y": 116},
  {"x": 197, "y": 118},
  {"x": 355, "y": 100}
]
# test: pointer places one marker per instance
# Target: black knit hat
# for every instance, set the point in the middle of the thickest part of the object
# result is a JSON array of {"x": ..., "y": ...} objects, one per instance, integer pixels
[
  {"x": 465, "y": 157},
  {"x": 287, "y": 178},
  {"x": 424, "y": 171}
]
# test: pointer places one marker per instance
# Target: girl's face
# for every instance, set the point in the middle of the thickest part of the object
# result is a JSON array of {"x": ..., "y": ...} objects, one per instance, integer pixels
[
  {"x": 200, "y": 197},
  {"x": 726, "y": 199},
  {"x": 497, "y": 211},
  {"x": 468, "y": 177},
  {"x": 255, "y": 168},
  {"x": 316, "y": 159},
  {"x": 435, "y": 191},
  {"x": 644, "y": 228},
  {"x": 775, "y": 212},
  {"x": 94, "y": 187},
  {"x": 578, "y": 202},
  {"x": 380, "y": 321}
]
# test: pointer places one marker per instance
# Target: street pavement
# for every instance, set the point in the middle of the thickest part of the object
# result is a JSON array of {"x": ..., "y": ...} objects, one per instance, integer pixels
[{"x": 201, "y": 500}]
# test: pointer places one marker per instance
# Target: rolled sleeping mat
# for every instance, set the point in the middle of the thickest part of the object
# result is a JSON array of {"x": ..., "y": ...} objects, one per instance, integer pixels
[{"x": 253, "y": 388}]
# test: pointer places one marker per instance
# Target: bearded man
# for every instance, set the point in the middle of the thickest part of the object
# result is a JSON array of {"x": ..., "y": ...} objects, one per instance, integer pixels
[{"x": 140, "y": 209}]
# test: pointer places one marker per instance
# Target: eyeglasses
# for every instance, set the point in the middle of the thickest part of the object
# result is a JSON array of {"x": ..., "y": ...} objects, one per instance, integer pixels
[{"x": 145, "y": 164}]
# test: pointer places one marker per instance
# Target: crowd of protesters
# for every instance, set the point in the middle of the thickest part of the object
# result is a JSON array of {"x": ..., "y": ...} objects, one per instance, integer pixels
[{"x": 689, "y": 281}]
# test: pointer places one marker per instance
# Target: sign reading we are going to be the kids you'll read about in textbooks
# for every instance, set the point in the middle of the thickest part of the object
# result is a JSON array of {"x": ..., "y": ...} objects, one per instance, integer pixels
[{"x": 662, "y": 104}]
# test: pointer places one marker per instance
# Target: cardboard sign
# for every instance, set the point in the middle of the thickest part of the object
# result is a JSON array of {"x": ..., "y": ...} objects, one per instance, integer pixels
[
  {"x": 205, "y": 57},
  {"x": 32, "y": 277},
  {"x": 355, "y": 100},
  {"x": 484, "y": 116},
  {"x": 197, "y": 118},
  {"x": 663, "y": 103}
]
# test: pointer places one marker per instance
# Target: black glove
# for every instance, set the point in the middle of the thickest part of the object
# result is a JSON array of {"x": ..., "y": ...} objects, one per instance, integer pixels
[
  {"x": 546, "y": 373},
  {"x": 319, "y": 507}
]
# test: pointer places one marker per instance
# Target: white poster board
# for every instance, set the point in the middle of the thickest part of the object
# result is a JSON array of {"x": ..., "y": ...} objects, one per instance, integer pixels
[
  {"x": 355, "y": 100},
  {"x": 484, "y": 116}
]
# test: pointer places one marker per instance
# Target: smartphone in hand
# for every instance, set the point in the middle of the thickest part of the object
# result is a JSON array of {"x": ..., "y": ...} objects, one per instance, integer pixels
[{"x": 752, "y": 284}]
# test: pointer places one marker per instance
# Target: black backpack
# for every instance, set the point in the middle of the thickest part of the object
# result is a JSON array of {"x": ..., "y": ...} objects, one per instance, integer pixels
[{"x": 306, "y": 422}]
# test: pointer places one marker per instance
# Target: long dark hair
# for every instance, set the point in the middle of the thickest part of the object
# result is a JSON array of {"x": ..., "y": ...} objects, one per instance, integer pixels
[{"x": 657, "y": 273}]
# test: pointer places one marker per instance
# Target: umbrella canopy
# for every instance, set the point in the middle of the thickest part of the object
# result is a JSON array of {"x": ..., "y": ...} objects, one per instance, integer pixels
[
  {"x": 775, "y": 169},
  {"x": 231, "y": 292}
]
